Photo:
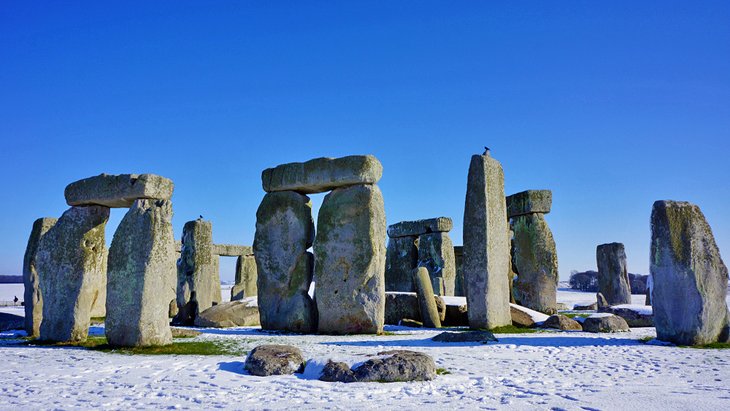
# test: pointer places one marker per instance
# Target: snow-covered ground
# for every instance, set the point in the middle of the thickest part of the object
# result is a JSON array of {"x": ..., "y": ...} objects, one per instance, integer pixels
[{"x": 549, "y": 370}]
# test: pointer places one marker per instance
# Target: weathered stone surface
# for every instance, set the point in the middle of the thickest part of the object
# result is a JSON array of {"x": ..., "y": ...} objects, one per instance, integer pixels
[
  {"x": 141, "y": 270},
  {"x": 396, "y": 366},
  {"x": 246, "y": 278},
  {"x": 635, "y": 317},
  {"x": 350, "y": 261},
  {"x": 231, "y": 250},
  {"x": 601, "y": 301},
  {"x": 420, "y": 227},
  {"x": 284, "y": 232},
  {"x": 613, "y": 279},
  {"x": 33, "y": 300},
  {"x": 529, "y": 202},
  {"x": 589, "y": 307},
  {"x": 118, "y": 191},
  {"x": 400, "y": 305},
  {"x": 322, "y": 174},
  {"x": 535, "y": 262},
  {"x": 429, "y": 312},
  {"x": 70, "y": 259},
  {"x": 562, "y": 322},
  {"x": 400, "y": 260},
  {"x": 436, "y": 253},
  {"x": 486, "y": 245},
  {"x": 10, "y": 322},
  {"x": 605, "y": 323},
  {"x": 520, "y": 317},
  {"x": 274, "y": 359},
  {"x": 459, "y": 284},
  {"x": 184, "y": 332},
  {"x": 229, "y": 314},
  {"x": 689, "y": 277},
  {"x": 337, "y": 372},
  {"x": 407, "y": 322},
  {"x": 198, "y": 279},
  {"x": 480, "y": 336}
]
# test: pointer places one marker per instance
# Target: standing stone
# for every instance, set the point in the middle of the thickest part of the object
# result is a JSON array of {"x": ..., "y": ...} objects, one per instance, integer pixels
[
  {"x": 613, "y": 279},
  {"x": 436, "y": 253},
  {"x": 400, "y": 260},
  {"x": 140, "y": 269},
  {"x": 71, "y": 257},
  {"x": 486, "y": 245},
  {"x": 536, "y": 263},
  {"x": 689, "y": 277},
  {"x": 198, "y": 279},
  {"x": 246, "y": 277},
  {"x": 284, "y": 232},
  {"x": 33, "y": 299},
  {"x": 350, "y": 261},
  {"x": 429, "y": 311},
  {"x": 459, "y": 285}
]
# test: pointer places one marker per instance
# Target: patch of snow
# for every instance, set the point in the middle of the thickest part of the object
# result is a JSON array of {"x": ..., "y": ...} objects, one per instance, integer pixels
[
  {"x": 454, "y": 300},
  {"x": 536, "y": 316},
  {"x": 600, "y": 315},
  {"x": 641, "y": 309}
]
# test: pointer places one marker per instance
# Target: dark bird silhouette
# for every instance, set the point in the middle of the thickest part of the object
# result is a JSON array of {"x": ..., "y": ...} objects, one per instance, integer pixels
[
  {"x": 16, "y": 299},
  {"x": 486, "y": 150},
  {"x": 200, "y": 217}
]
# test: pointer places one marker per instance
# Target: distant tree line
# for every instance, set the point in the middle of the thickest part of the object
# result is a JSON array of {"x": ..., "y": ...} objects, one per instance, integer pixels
[
  {"x": 588, "y": 281},
  {"x": 11, "y": 279}
]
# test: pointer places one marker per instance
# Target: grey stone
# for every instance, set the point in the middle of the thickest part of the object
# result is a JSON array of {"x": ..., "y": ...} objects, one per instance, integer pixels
[
  {"x": 71, "y": 258},
  {"x": 613, "y": 279},
  {"x": 231, "y": 250},
  {"x": 633, "y": 317},
  {"x": 535, "y": 262},
  {"x": 246, "y": 278},
  {"x": 198, "y": 279},
  {"x": 589, "y": 307},
  {"x": 229, "y": 314},
  {"x": 140, "y": 270},
  {"x": 689, "y": 277},
  {"x": 400, "y": 305},
  {"x": 337, "y": 372},
  {"x": 118, "y": 191},
  {"x": 520, "y": 317},
  {"x": 322, "y": 174},
  {"x": 407, "y": 322},
  {"x": 284, "y": 232},
  {"x": 529, "y": 202},
  {"x": 486, "y": 246},
  {"x": 33, "y": 300},
  {"x": 480, "y": 336},
  {"x": 601, "y": 301},
  {"x": 396, "y": 366},
  {"x": 419, "y": 227},
  {"x": 429, "y": 311},
  {"x": 400, "y": 260},
  {"x": 562, "y": 322},
  {"x": 350, "y": 261},
  {"x": 459, "y": 284},
  {"x": 605, "y": 323},
  {"x": 436, "y": 253},
  {"x": 274, "y": 359}
]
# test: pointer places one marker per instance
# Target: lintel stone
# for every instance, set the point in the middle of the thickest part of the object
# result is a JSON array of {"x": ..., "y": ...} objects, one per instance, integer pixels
[
  {"x": 419, "y": 227},
  {"x": 322, "y": 174},
  {"x": 529, "y": 202},
  {"x": 118, "y": 191}
]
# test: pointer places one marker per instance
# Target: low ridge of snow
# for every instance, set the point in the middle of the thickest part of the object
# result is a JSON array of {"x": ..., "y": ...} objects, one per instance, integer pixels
[{"x": 641, "y": 309}]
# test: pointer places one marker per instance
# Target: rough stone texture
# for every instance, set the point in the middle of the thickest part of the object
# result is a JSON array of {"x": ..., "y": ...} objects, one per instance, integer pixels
[
  {"x": 589, "y": 307},
  {"x": 613, "y": 279},
  {"x": 436, "y": 253},
  {"x": 429, "y": 312},
  {"x": 274, "y": 359},
  {"x": 337, "y": 372},
  {"x": 246, "y": 278},
  {"x": 231, "y": 250},
  {"x": 480, "y": 336},
  {"x": 486, "y": 245},
  {"x": 396, "y": 366},
  {"x": 520, "y": 317},
  {"x": 322, "y": 174},
  {"x": 420, "y": 227},
  {"x": 350, "y": 261},
  {"x": 536, "y": 263},
  {"x": 605, "y": 324},
  {"x": 529, "y": 202},
  {"x": 601, "y": 301},
  {"x": 562, "y": 322},
  {"x": 634, "y": 318},
  {"x": 71, "y": 257},
  {"x": 141, "y": 268},
  {"x": 284, "y": 232},
  {"x": 459, "y": 284},
  {"x": 198, "y": 279},
  {"x": 689, "y": 277},
  {"x": 118, "y": 191},
  {"x": 229, "y": 314},
  {"x": 400, "y": 260},
  {"x": 400, "y": 305},
  {"x": 33, "y": 300}
]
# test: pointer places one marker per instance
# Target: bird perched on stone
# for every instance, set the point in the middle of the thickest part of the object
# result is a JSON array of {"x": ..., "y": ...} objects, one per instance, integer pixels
[
  {"x": 486, "y": 150},
  {"x": 200, "y": 217}
]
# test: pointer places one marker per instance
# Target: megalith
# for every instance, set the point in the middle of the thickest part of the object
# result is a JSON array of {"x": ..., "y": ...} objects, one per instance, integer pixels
[
  {"x": 400, "y": 260},
  {"x": 33, "y": 299},
  {"x": 459, "y": 286},
  {"x": 284, "y": 232},
  {"x": 349, "y": 251},
  {"x": 426, "y": 302},
  {"x": 322, "y": 174},
  {"x": 486, "y": 245},
  {"x": 246, "y": 277},
  {"x": 436, "y": 253},
  {"x": 613, "y": 278},
  {"x": 71, "y": 258},
  {"x": 689, "y": 277},
  {"x": 140, "y": 268},
  {"x": 118, "y": 191}
]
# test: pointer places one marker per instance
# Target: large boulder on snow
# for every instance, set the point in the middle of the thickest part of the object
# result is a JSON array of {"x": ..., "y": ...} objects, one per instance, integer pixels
[
  {"x": 526, "y": 317},
  {"x": 635, "y": 315},
  {"x": 480, "y": 336},
  {"x": 562, "y": 322},
  {"x": 396, "y": 366},
  {"x": 605, "y": 323},
  {"x": 274, "y": 359},
  {"x": 238, "y": 313}
]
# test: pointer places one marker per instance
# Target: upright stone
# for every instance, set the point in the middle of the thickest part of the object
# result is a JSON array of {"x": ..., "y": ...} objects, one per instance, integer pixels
[
  {"x": 71, "y": 256},
  {"x": 429, "y": 311},
  {"x": 436, "y": 253},
  {"x": 322, "y": 174},
  {"x": 246, "y": 277},
  {"x": 117, "y": 191},
  {"x": 350, "y": 261},
  {"x": 284, "y": 232},
  {"x": 535, "y": 262},
  {"x": 486, "y": 246},
  {"x": 459, "y": 285},
  {"x": 198, "y": 279},
  {"x": 140, "y": 268},
  {"x": 401, "y": 257},
  {"x": 33, "y": 299},
  {"x": 689, "y": 277},
  {"x": 613, "y": 278}
]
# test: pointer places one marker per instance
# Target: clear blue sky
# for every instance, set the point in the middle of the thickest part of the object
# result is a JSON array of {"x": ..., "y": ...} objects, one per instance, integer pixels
[{"x": 612, "y": 105}]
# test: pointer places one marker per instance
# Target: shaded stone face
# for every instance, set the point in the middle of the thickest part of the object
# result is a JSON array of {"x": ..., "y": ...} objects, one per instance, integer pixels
[
  {"x": 429, "y": 312},
  {"x": 229, "y": 314},
  {"x": 529, "y": 202},
  {"x": 350, "y": 261},
  {"x": 688, "y": 275},
  {"x": 284, "y": 232},
  {"x": 536, "y": 263},
  {"x": 613, "y": 278},
  {"x": 118, "y": 191},
  {"x": 322, "y": 174},
  {"x": 459, "y": 285},
  {"x": 486, "y": 245},
  {"x": 436, "y": 253},
  {"x": 71, "y": 257},
  {"x": 140, "y": 271},
  {"x": 33, "y": 299},
  {"x": 246, "y": 278},
  {"x": 401, "y": 258},
  {"x": 416, "y": 228}
]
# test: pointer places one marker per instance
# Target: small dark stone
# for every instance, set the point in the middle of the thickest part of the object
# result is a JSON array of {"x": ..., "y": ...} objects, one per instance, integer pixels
[
  {"x": 337, "y": 372},
  {"x": 562, "y": 322},
  {"x": 274, "y": 359},
  {"x": 481, "y": 336},
  {"x": 605, "y": 324}
]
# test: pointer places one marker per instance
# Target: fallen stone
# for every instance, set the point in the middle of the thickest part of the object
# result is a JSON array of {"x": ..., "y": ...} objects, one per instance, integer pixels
[
  {"x": 396, "y": 366},
  {"x": 9, "y": 322},
  {"x": 480, "y": 336},
  {"x": 429, "y": 312},
  {"x": 436, "y": 253},
  {"x": 562, "y": 322},
  {"x": 613, "y": 278},
  {"x": 589, "y": 307},
  {"x": 231, "y": 250},
  {"x": 604, "y": 323},
  {"x": 536, "y": 263},
  {"x": 420, "y": 227},
  {"x": 229, "y": 314},
  {"x": 337, "y": 372},
  {"x": 400, "y": 305},
  {"x": 400, "y": 260},
  {"x": 274, "y": 359},
  {"x": 635, "y": 316},
  {"x": 562, "y": 307},
  {"x": 246, "y": 278},
  {"x": 118, "y": 191},
  {"x": 407, "y": 322},
  {"x": 184, "y": 332},
  {"x": 322, "y": 174},
  {"x": 520, "y": 317},
  {"x": 529, "y": 202},
  {"x": 33, "y": 300}
]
